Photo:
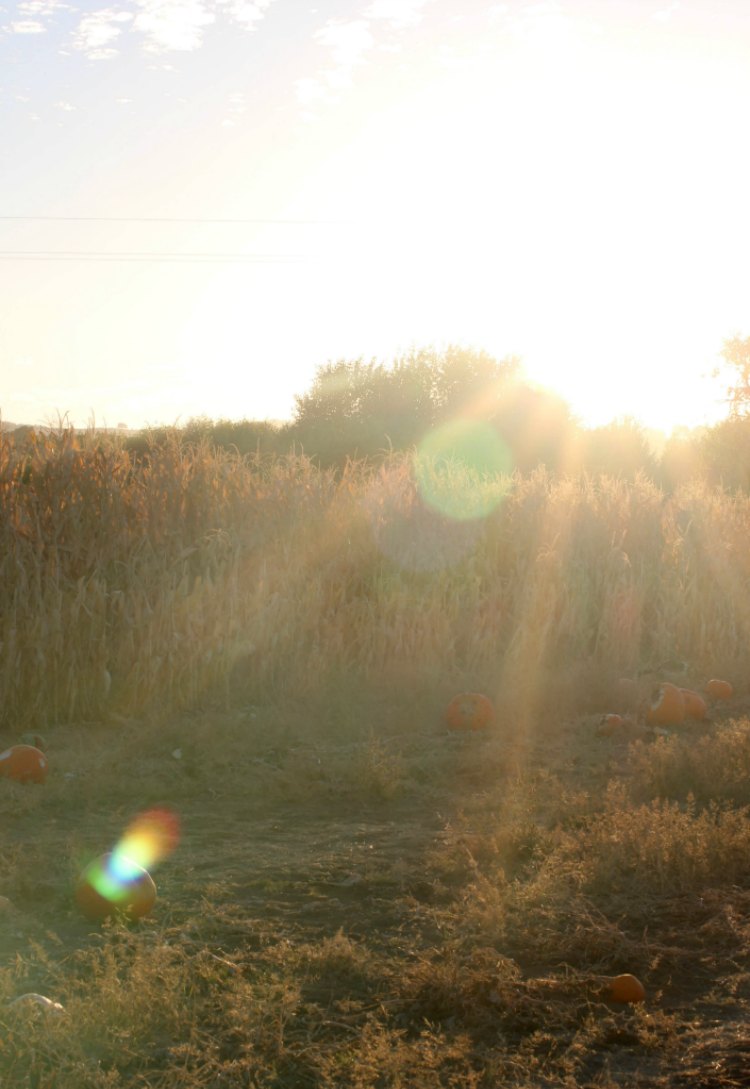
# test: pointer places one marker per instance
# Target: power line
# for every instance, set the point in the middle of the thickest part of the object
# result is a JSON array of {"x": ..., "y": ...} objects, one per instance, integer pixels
[
  {"x": 165, "y": 219},
  {"x": 178, "y": 258}
]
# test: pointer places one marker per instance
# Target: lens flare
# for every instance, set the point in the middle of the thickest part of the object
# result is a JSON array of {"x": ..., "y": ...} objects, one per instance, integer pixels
[
  {"x": 462, "y": 469},
  {"x": 112, "y": 884},
  {"x": 149, "y": 838},
  {"x": 111, "y": 875}
]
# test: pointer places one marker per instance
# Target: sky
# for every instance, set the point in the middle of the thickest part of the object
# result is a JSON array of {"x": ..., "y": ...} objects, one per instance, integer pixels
[{"x": 203, "y": 201}]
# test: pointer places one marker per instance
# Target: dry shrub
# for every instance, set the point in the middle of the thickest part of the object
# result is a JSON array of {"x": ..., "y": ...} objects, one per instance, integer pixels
[
  {"x": 715, "y": 767},
  {"x": 124, "y": 1004},
  {"x": 588, "y": 889}
]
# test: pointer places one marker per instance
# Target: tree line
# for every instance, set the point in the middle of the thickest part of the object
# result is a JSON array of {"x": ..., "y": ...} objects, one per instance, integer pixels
[{"x": 365, "y": 409}]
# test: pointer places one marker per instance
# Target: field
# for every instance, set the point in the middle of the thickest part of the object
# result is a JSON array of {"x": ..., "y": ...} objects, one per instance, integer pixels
[{"x": 360, "y": 896}]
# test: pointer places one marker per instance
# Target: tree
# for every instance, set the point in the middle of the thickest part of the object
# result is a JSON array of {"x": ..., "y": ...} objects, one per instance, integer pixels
[
  {"x": 736, "y": 352},
  {"x": 724, "y": 451},
  {"x": 362, "y": 409},
  {"x": 620, "y": 448}
]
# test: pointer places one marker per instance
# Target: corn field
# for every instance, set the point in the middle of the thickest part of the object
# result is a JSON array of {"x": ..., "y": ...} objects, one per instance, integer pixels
[{"x": 145, "y": 585}]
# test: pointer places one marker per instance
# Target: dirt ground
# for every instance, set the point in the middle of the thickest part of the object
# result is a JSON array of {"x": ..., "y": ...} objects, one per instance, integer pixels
[{"x": 341, "y": 872}]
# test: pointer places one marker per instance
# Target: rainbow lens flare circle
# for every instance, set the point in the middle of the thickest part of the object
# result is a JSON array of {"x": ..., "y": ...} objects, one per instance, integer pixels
[
  {"x": 119, "y": 881},
  {"x": 462, "y": 469},
  {"x": 115, "y": 883}
]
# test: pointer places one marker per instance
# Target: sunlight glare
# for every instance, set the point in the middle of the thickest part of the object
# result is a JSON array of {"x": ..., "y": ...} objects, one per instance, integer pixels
[{"x": 462, "y": 469}]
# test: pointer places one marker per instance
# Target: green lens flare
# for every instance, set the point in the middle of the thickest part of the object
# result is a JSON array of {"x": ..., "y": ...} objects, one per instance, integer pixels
[
  {"x": 111, "y": 876},
  {"x": 462, "y": 469}
]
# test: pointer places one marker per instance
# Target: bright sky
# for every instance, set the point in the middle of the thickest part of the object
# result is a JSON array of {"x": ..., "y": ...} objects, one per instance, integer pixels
[{"x": 567, "y": 182}]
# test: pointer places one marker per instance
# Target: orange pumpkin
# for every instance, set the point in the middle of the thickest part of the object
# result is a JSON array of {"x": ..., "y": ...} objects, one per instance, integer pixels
[
  {"x": 695, "y": 705},
  {"x": 609, "y": 725},
  {"x": 24, "y": 763},
  {"x": 113, "y": 884},
  {"x": 470, "y": 711},
  {"x": 624, "y": 988},
  {"x": 719, "y": 690},
  {"x": 668, "y": 707}
]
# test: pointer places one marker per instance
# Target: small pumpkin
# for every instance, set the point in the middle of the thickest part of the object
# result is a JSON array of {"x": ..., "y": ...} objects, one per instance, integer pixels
[
  {"x": 113, "y": 884},
  {"x": 695, "y": 705},
  {"x": 609, "y": 725},
  {"x": 668, "y": 706},
  {"x": 624, "y": 988},
  {"x": 718, "y": 690},
  {"x": 24, "y": 763},
  {"x": 470, "y": 711}
]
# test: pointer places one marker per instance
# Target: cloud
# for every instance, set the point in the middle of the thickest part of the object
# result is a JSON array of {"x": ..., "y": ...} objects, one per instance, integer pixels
[
  {"x": 179, "y": 24},
  {"x": 245, "y": 12},
  {"x": 397, "y": 13},
  {"x": 173, "y": 24},
  {"x": 27, "y": 26},
  {"x": 347, "y": 41},
  {"x": 165, "y": 25},
  {"x": 41, "y": 7},
  {"x": 34, "y": 12},
  {"x": 350, "y": 41},
  {"x": 97, "y": 31}
]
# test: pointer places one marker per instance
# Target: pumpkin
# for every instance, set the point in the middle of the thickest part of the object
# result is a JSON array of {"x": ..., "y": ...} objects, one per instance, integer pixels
[
  {"x": 668, "y": 706},
  {"x": 624, "y": 988},
  {"x": 112, "y": 884},
  {"x": 24, "y": 763},
  {"x": 719, "y": 690},
  {"x": 469, "y": 711},
  {"x": 609, "y": 725},
  {"x": 695, "y": 705}
]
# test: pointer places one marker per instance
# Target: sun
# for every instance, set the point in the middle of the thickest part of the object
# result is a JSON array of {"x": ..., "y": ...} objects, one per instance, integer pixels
[
  {"x": 511, "y": 193},
  {"x": 515, "y": 207}
]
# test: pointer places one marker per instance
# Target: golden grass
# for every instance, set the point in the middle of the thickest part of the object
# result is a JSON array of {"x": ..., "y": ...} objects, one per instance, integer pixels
[{"x": 142, "y": 586}]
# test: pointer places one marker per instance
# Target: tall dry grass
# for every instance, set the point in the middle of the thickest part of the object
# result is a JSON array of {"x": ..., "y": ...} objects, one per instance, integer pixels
[{"x": 135, "y": 585}]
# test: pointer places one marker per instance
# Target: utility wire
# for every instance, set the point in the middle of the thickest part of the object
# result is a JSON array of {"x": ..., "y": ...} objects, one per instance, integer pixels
[
  {"x": 163, "y": 219},
  {"x": 178, "y": 258}
]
